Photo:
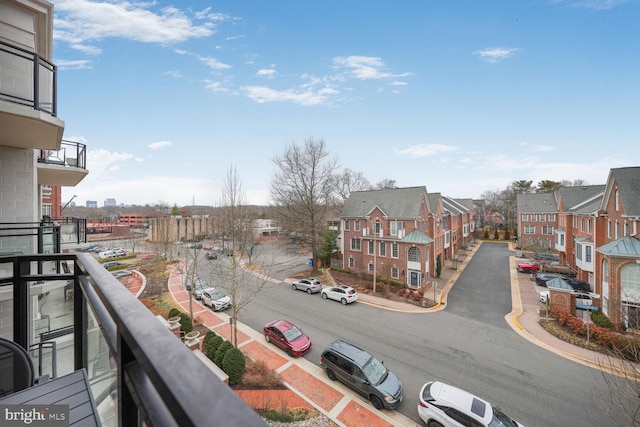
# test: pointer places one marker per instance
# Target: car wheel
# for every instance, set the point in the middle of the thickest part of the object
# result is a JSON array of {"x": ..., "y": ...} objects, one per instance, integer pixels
[
  {"x": 324, "y": 296},
  {"x": 375, "y": 400},
  {"x": 309, "y": 291},
  {"x": 294, "y": 287},
  {"x": 331, "y": 375},
  {"x": 434, "y": 424},
  {"x": 289, "y": 352},
  {"x": 266, "y": 337},
  {"x": 343, "y": 301}
]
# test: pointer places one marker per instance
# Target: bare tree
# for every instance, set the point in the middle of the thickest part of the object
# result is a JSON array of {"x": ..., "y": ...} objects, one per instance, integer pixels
[
  {"x": 235, "y": 220},
  {"x": 349, "y": 181},
  {"x": 574, "y": 183},
  {"x": 619, "y": 399},
  {"x": 303, "y": 188},
  {"x": 386, "y": 184}
]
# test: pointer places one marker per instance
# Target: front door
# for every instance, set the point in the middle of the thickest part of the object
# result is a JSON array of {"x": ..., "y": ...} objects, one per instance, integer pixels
[{"x": 414, "y": 278}]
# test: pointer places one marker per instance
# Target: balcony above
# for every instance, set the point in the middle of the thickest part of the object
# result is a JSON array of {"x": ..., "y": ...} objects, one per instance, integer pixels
[
  {"x": 28, "y": 100},
  {"x": 66, "y": 166}
]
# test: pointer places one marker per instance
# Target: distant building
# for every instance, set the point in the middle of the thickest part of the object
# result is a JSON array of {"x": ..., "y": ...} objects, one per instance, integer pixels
[
  {"x": 110, "y": 202},
  {"x": 91, "y": 204}
]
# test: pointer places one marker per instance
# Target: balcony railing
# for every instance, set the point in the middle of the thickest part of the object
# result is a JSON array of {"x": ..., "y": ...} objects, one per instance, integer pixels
[
  {"x": 46, "y": 236},
  {"x": 71, "y": 154},
  {"x": 139, "y": 372},
  {"x": 27, "y": 79}
]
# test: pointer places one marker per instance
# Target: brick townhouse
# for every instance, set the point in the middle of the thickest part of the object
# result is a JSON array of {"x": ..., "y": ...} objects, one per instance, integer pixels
[
  {"x": 399, "y": 233},
  {"x": 596, "y": 234}
]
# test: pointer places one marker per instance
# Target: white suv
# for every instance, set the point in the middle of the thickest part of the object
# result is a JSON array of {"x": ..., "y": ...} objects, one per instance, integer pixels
[{"x": 442, "y": 405}]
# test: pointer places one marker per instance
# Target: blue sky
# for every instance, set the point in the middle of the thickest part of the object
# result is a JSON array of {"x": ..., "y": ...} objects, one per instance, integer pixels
[{"x": 459, "y": 96}]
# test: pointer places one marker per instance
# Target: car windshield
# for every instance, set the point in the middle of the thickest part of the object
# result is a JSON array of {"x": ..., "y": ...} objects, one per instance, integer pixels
[
  {"x": 375, "y": 371},
  {"x": 500, "y": 419},
  {"x": 292, "y": 334},
  {"x": 217, "y": 294}
]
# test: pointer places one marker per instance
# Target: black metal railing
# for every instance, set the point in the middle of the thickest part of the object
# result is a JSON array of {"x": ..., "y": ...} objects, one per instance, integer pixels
[
  {"x": 36, "y": 88},
  {"x": 132, "y": 358},
  {"x": 71, "y": 154},
  {"x": 46, "y": 236}
]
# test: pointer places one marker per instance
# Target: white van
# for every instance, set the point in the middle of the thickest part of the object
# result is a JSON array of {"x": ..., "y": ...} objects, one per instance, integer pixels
[{"x": 106, "y": 254}]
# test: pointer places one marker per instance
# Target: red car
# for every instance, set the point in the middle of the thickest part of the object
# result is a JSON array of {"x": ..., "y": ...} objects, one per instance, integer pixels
[
  {"x": 528, "y": 267},
  {"x": 287, "y": 336}
]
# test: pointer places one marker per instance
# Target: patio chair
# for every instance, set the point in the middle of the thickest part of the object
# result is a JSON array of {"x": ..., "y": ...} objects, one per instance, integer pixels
[{"x": 16, "y": 368}]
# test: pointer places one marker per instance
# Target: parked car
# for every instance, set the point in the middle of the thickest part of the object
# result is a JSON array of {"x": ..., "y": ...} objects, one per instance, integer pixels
[
  {"x": 207, "y": 247},
  {"x": 287, "y": 336},
  {"x": 119, "y": 252},
  {"x": 344, "y": 294},
  {"x": 110, "y": 264},
  {"x": 543, "y": 278},
  {"x": 89, "y": 248},
  {"x": 543, "y": 296},
  {"x": 528, "y": 267},
  {"x": 364, "y": 373},
  {"x": 548, "y": 257},
  {"x": 199, "y": 283},
  {"x": 106, "y": 254},
  {"x": 211, "y": 255},
  {"x": 309, "y": 285},
  {"x": 579, "y": 285},
  {"x": 216, "y": 299},
  {"x": 584, "y": 299},
  {"x": 444, "y": 405}
]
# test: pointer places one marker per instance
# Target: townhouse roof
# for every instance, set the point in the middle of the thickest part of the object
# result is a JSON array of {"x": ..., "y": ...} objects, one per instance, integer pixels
[
  {"x": 627, "y": 181},
  {"x": 573, "y": 196},
  {"x": 536, "y": 203},
  {"x": 453, "y": 206},
  {"x": 627, "y": 246},
  {"x": 588, "y": 206},
  {"x": 418, "y": 237},
  {"x": 393, "y": 202},
  {"x": 434, "y": 200},
  {"x": 467, "y": 203}
]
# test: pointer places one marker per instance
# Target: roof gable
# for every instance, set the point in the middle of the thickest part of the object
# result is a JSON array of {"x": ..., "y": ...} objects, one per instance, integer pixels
[
  {"x": 396, "y": 203},
  {"x": 627, "y": 181}
]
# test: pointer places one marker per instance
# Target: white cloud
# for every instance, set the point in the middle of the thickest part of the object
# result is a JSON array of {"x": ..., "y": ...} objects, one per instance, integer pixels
[
  {"x": 216, "y": 87},
  {"x": 364, "y": 67},
  {"x": 425, "y": 150},
  {"x": 266, "y": 72},
  {"x": 494, "y": 55},
  {"x": 262, "y": 94},
  {"x": 77, "y": 21},
  {"x": 73, "y": 65},
  {"x": 159, "y": 145},
  {"x": 214, "y": 64}
]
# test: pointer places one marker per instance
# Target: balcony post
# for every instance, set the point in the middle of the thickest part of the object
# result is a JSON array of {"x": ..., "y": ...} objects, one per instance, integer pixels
[{"x": 36, "y": 82}]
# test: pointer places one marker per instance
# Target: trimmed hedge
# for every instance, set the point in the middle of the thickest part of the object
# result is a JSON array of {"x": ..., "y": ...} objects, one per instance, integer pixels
[
  {"x": 173, "y": 312},
  {"x": 221, "y": 351},
  {"x": 234, "y": 364},
  {"x": 212, "y": 347},
  {"x": 601, "y": 319}
]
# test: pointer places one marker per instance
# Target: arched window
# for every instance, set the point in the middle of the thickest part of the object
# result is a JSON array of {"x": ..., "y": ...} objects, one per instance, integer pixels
[
  {"x": 630, "y": 293},
  {"x": 414, "y": 254}
]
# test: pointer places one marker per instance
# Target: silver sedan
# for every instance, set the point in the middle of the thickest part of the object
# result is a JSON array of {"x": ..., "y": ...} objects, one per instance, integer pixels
[{"x": 310, "y": 285}]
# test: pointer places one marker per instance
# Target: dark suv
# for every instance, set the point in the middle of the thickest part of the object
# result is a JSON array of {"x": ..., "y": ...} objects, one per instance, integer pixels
[{"x": 362, "y": 372}]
